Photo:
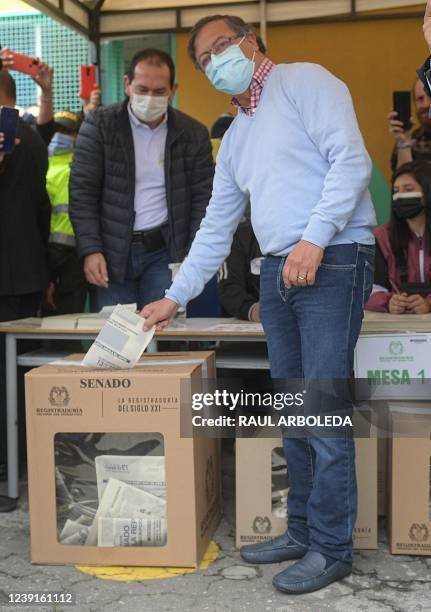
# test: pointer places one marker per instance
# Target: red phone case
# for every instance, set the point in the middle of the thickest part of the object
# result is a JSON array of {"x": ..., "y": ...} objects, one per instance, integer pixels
[
  {"x": 24, "y": 63},
  {"x": 88, "y": 80}
]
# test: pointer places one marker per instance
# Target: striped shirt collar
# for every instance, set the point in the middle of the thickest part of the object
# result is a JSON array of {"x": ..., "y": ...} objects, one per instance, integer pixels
[{"x": 257, "y": 84}]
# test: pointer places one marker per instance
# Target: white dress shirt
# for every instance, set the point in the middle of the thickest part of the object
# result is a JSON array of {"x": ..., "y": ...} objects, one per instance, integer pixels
[{"x": 150, "y": 190}]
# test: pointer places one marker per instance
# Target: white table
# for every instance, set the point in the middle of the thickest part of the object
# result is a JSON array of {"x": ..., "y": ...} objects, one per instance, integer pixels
[{"x": 212, "y": 329}]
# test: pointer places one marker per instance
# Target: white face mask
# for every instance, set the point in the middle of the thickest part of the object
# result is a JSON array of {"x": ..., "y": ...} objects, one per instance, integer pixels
[{"x": 149, "y": 108}]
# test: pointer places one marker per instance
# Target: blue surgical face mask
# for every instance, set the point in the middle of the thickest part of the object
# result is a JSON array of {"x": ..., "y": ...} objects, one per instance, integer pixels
[
  {"x": 231, "y": 71},
  {"x": 60, "y": 143}
]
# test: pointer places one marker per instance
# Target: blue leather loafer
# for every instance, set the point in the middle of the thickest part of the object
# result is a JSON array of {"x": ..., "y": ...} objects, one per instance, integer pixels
[
  {"x": 310, "y": 574},
  {"x": 279, "y": 549}
]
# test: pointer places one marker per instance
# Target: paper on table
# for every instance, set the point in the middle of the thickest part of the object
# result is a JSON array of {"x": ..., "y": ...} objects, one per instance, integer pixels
[
  {"x": 236, "y": 327},
  {"x": 106, "y": 311},
  {"x": 131, "y": 532},
  {"x": 175, "y": 324},
  {"x": 385, "y": 316},
  {"x": 67, "y": 321},
  {"x": 96, "y": 320},
  {"x": 378, "y": 322},
  {"x": 121, "y": 500},
  {"x": 29, "y": 322},
  {"x": 66, "y": 362},
  {"x": 120, "y": 342}
]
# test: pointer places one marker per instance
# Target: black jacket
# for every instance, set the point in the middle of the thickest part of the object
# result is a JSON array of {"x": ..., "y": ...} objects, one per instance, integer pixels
[
  {"x": 24, "y": 216},
  {"x": 102, "y": 184},
  {"x": 424, "y": 73},
  {"x": 46, "y": 131},
  {"x": 238, "y": 287}
]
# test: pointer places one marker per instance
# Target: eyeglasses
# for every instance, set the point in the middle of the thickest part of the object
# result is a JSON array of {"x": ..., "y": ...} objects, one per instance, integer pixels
[{"x": 219, "y": 46}]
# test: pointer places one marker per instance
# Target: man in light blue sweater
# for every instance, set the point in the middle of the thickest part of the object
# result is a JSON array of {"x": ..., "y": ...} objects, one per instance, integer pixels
[{"x": 295, "y": 151}]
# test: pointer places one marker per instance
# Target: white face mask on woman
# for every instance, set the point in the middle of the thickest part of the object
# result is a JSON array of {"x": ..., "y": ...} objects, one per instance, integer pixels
[{"x": 149, "y": 108}]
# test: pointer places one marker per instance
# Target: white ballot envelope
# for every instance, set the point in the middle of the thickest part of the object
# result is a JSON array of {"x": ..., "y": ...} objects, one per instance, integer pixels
[{"x": 120, "y": 342}]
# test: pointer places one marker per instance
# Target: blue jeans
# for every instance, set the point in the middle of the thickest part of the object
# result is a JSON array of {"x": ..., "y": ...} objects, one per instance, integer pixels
[
  {"x": 311, "y": 334},
  {"x": 147, "y": 278}
]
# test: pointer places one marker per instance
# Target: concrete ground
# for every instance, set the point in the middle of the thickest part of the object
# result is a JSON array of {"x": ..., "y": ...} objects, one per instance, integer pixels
[{"x": 380, "y": 581}]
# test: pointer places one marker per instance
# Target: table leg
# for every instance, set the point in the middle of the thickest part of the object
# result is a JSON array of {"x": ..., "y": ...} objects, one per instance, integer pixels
[{"x": 12, "y": 416}]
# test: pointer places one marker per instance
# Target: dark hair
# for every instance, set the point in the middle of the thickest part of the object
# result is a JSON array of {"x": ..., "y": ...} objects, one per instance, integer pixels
[
  {"x": 236, "y": 24},
  {"x": 399, "y": 231},
  {"x": 261, "y": 44},
  {"x": 7, "y": 85},
  {"x": 221, "y": 125},
  {"x": 152, "y": 56}
]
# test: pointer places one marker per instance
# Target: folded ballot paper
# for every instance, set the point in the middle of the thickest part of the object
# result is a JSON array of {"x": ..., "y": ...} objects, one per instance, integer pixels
[
  {"x": 111, "y": 499},
  {"x": 145, "y": 473},
  {"x": 131, "y": 532},
  {"x": 123, "y": 501},
  {"x": 120, "y": 342}
]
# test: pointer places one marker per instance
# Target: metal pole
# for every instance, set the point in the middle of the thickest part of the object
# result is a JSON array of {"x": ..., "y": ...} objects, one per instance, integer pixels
[
  {"x": 12, "y": 417},
  {"x": 262, "y": 14},
  {"x": 94, "y": 40}
]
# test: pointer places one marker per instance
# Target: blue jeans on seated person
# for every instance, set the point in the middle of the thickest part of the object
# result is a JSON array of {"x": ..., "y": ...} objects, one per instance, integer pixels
[
  {"x": 147, "y": 278},
  {"x": 311, "y": 334}
]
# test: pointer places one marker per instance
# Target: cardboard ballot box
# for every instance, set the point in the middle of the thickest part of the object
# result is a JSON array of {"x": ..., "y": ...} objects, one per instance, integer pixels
[
  {"x": 382, "y": 475},
  {"x": 111, "y": 480},
  {"x": 409, "y": 479},
  {"x": 383, "y": 433},
  {"x": 262, "y": 487},
  {"x": 383, "y": 424}
]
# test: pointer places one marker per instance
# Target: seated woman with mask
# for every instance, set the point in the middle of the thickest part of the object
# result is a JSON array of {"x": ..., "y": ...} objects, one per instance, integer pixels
[{"x": 402, "y": 279}]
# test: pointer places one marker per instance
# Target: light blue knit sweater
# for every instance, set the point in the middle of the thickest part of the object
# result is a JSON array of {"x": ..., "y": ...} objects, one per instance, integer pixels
[{"x": 301, "y": 161}]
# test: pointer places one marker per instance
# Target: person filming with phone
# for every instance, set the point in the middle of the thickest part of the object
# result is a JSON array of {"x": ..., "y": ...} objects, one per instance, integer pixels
[
  {"x": 402, "y": 281},
  {"x": 411, "y": 143},
  {"x": 24, "y": 228}
]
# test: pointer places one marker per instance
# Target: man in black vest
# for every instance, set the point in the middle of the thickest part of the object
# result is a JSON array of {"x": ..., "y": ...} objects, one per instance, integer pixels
[{"x": 141, "y": 181}]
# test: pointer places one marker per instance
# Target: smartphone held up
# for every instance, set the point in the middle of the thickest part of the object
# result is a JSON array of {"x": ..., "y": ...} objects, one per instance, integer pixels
[
  {"x": 402, "y": 106},
  {"x": 22, "y": 63},
  {"x": 88, "y": 80},
  {"x": 8, "y": 125}
]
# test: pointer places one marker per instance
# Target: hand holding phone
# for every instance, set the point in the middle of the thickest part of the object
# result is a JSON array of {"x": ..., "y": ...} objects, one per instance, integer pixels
[
  {"x": 88, "y": 81},
  {"x": 402, "y": 108},
  {"x": 2, "y": 155},
  {"x": 44, "y": 78},
  {"x": 20, "y": 63}
]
